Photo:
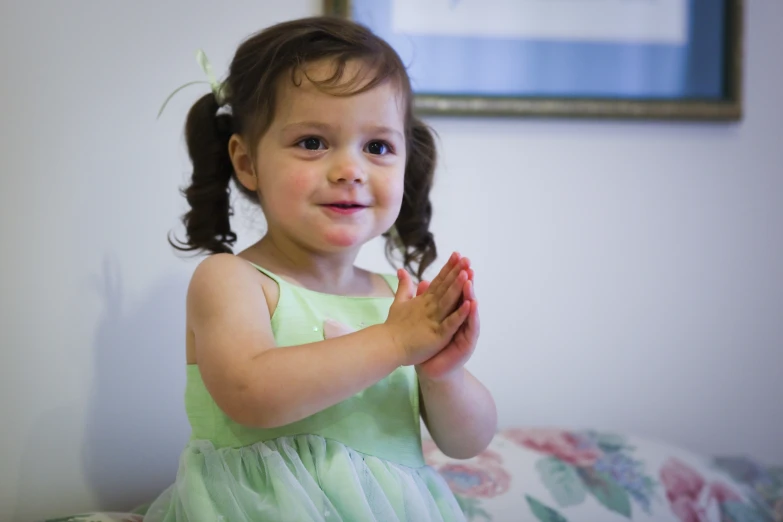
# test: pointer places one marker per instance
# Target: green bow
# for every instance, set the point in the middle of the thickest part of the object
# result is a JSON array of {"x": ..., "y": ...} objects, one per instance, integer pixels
[{"x": 218, "y": 88}]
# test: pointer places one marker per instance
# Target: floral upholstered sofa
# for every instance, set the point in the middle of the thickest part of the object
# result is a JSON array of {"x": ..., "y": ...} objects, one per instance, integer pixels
[{"x": 551, "y": 475}]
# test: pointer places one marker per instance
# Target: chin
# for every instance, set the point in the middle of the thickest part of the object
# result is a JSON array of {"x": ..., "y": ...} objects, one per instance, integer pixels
[{"x": 346, "y": 239}]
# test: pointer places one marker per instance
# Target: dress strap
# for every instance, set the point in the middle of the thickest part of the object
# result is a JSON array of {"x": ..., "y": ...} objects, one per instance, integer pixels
[
  {"x": 276, "y": 278},
  {"x": 391, "y": 280}
]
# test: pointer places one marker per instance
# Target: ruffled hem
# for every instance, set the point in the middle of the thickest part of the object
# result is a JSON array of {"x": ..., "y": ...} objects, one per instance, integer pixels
[{"x": 300, "y": 478}]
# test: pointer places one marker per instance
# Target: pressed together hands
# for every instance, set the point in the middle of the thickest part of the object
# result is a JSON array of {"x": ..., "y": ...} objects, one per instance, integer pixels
[{"x": 436, "y": 324}]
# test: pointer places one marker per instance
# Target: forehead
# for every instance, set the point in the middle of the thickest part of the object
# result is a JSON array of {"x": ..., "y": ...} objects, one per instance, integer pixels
[{"x": 313, "y": 94}]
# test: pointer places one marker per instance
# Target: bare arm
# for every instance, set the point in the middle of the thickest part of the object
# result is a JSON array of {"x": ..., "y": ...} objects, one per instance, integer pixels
[
  {"x": 257, "y": 385},
  {"x": 459, "y": 413}
]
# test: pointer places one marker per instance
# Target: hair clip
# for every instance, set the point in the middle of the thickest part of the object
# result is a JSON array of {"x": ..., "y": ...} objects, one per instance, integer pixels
[{"x": 218, "y": 88}]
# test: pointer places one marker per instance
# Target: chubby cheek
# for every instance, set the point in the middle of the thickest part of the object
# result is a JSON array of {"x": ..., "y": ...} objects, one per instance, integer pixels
[
  {"x": 388, "y": 195},
  {"x": 290, "y": 187},
  {"x": 296, "y": 184}
]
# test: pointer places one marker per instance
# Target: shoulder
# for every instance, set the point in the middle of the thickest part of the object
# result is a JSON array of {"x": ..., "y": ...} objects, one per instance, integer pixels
[
  {"x": 217, "y": 270},
  {"x": 221, "y": 279},
  {"x": 381, "y": 282}
]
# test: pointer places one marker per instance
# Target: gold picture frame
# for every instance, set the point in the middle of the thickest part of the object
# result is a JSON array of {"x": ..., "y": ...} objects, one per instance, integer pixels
[{"x": 728, "y": 108}]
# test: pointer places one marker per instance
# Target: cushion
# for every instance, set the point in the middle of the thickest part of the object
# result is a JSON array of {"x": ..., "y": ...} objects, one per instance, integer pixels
[{"x": 554, "y": 475}]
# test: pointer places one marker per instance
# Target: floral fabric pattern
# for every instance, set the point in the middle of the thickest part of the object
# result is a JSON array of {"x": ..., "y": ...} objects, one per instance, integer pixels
[
  {"x": 551, "y": 475},
  {"x": 692, "y": 499},
  {"x": 582, "y": 464},
  {"x": 764, "y": 485}
]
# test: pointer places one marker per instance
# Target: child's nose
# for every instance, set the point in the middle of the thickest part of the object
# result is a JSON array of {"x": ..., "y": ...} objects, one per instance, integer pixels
[{"x": 347, "y": 169}]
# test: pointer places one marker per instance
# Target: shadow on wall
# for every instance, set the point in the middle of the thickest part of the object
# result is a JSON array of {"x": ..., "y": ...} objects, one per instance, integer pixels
[{"x": 136, "y": 424}]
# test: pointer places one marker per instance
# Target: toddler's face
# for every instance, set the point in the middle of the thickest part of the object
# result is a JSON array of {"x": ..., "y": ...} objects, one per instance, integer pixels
[{"x": 331, "y": 168}]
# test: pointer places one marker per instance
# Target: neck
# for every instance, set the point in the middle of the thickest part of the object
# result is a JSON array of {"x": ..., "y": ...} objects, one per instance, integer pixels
[{"x": 322, "y": 271}]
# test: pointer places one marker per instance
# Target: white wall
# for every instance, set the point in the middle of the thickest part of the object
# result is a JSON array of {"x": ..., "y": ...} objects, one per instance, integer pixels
[{"x": 630, "y": 274}]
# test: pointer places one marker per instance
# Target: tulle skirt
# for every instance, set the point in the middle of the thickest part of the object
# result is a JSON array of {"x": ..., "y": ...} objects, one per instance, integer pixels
[{"x": 301, "y": 478}]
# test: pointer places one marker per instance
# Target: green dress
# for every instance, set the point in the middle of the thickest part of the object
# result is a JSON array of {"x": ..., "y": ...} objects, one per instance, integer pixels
[{"x": 359, "y": 460}]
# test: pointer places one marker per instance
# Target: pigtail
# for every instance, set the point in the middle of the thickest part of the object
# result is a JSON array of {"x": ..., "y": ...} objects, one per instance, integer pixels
[
  {"x": 411, "y": 236},
  {"x": 207, "y": 223}
]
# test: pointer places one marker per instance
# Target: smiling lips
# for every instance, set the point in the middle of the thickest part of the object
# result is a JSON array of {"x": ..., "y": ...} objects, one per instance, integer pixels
[{"x": 345, "y": 207}]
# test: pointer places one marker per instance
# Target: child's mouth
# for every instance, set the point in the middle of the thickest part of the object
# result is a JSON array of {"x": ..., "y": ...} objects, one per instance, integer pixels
[{"x": 344, "y": 208}]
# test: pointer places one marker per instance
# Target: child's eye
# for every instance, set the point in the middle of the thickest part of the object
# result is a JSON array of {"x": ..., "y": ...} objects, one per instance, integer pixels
[
  {"x": 311, "y": 143},
  {"x": 378, "y": 147}
]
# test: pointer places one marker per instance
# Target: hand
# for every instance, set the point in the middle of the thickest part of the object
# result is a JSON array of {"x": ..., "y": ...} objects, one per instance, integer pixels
[
  {"x": 421, "y": 326},
  {"x": 459, "y": 349}
]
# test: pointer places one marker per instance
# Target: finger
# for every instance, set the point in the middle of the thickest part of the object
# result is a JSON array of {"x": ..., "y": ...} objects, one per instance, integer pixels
[
  {"x": 472, "y": 332},
  {"x": 467, "y": 290},
  {"x": 468, "y": 332},
  {"x": 462, "y": 264},
  {"x": 452, "y": 294},
  {"x": 422, "y": 288},
  {"x": 454, "y": 321},
  {"x": 447, "y": 267},
  {"x": 404, "y": 287}
]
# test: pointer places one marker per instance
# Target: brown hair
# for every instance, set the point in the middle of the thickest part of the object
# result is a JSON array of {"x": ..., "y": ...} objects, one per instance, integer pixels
[{"x": 250, "y": 91}]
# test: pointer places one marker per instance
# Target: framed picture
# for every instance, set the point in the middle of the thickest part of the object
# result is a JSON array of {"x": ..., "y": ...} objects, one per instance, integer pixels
[{"x": 652, "y": 59}]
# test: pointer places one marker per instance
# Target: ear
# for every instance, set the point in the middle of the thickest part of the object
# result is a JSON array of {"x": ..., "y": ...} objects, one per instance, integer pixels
[{"x": 242, "y": 162}]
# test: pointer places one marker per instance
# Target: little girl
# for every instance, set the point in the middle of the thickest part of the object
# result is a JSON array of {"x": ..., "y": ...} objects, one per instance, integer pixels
[{"x": 307, "y": 376}]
